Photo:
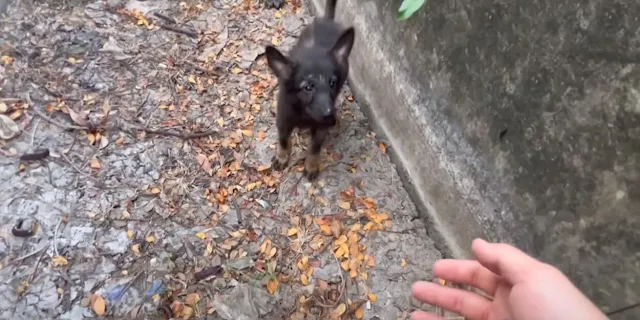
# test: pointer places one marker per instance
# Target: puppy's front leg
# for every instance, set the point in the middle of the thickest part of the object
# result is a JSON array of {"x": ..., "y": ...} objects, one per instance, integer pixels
[
  {"x": 312, "y": 162},
  {"x": 283, "y": 148}
]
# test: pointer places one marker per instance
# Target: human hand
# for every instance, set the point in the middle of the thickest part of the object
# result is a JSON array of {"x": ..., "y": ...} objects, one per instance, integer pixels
[{"x": 522, "y": 288}]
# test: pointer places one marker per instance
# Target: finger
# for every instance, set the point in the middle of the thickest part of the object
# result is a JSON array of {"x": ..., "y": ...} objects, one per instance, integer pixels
[
  {"x": 464, "y": 303},
  {"x": 421, "y": 315},
  {"x": 504, "y": 260},
  {"x": 468, "y": 272}
]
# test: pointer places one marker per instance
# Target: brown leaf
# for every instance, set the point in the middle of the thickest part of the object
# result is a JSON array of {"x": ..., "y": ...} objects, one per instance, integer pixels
[
  {"x": 292, "y": 232},
  {"x": 187, "y": 312},
  {"x": 177, "y": 307},
  {"x": 95, "y": 164},
  {"x": 98, "y": 305},
  {"x": 336, "y": 228},
  {"x": 382, "y": 147},
  {"x": 192, "y": 299},
  {"x": 339, "y": 310},
  {"x": 204, "y": 162},
  {"x": 372, "y": 297},
  {"x": 272, "y": 285},
  {"x": 80, "y": 118},
  {"x": 344, "y": 205}
]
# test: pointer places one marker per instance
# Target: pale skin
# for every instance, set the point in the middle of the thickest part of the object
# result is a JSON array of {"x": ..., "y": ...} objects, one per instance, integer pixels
[{"x": 522, "y": 288}]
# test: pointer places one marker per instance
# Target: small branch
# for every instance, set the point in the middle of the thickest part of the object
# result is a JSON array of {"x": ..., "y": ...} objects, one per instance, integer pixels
[
  {"x": 54, "y": 122},
  {"x": 179, "y": 30},
  {"x": 165, "y": 18},
  {"x": 181, "y": 135}
]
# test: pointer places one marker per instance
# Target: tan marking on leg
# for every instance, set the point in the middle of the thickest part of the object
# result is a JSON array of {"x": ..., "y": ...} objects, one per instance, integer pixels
[
  {"x": 282, "y": 154},
  {"x": 312, "y": 163}
]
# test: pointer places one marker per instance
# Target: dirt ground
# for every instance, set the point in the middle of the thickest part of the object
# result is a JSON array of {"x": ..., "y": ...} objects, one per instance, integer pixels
[{"x": 135, "y": 180}]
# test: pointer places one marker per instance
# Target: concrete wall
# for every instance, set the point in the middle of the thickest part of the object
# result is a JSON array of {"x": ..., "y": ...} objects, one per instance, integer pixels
[{"x": 517, "y": 121}]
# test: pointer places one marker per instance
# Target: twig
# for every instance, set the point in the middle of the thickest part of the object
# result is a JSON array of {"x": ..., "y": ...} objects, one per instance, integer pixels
[
  {"x": 182, "y": 135},
  {"x": 165, "y": 18},
  {"x": 179, "y": 30},
  {"x": 55, "y": 237},
  {"x": 54, "y": 122},
  {"x": 33, "y": 135},
  {"x": 74, "y": 166},
  {"x": 611, "y": 313},
  {"x": 28, "y": 255},
  {"x": 143, "y": 103},
  {"x": 35, "y": 270},
  {"x": 238, "y": 212}
]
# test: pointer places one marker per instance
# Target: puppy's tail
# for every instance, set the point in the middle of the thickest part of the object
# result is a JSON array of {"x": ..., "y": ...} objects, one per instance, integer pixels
[{"x": 330, "y": 9}]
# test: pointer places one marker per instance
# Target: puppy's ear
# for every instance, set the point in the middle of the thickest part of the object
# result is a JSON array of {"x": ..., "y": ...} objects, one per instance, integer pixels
[
  {"x": 342, "y": 48},
  {"x": 281, "y": 66}
]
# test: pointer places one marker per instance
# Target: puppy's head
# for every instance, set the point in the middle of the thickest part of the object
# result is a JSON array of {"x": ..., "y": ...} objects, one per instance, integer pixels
[{"x": 314, "y": 77}]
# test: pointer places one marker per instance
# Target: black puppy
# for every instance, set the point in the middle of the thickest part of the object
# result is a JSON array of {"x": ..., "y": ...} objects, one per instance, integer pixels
[{"x": 310, "y": 80}]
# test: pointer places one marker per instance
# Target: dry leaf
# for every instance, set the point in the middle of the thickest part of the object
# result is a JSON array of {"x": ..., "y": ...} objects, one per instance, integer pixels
[
  {"x": 155, "y": 190},
  {"x": 372, "y": 297},
  {"x": 177, "y": 307},
  {"x": 136, "y": 248},
  {"x": 6, "y": 60},
  {"x": 382, "y": 147},
  {"x": 326, "y": 230},
  {"x": 263, "y": 168},
  {"x": 204, "y": 162},
  {"x": 192, "y": 299},
  {"x": 292, "y": 232},
  {"x": 91, "y": 137},
  {"x": 201, "y": 235},
  {"x": 344, "y": 205},
  {"x": 272, "y": 252},
  {"x": 8, "y": 128},
  {"x": 209, "y": 248},
  {"x": 247, "y": 133},
  {"x": 370, "y": 261},
  {"x": 359, "y": 314},
  {"x": 80, "y": 118},
  {"x": 129, "y": 234},
  {"x": 304, "y": 280},
  {"x": 120, "y": 141},
  {"x": 236, "y": 70},
  {"x": 98, "y": 305},
  {"x": 272, "y": 285},
  {"x": 95, "y": 164},
  {"x": 442, "y": 282},
  {"x": 336, "y": 228},
  {"x": 150, "y": 239},
  {"x": 58, "y": 261},
  {"x": 403, "y": 262},
  {"x": 339, "y": 310},
  {"x": 187, "y": 312}
]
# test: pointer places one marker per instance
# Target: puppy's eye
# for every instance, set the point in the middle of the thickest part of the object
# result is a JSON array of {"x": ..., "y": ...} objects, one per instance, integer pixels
[
  {"x": 332, "y": 83},
  {"x": 308, "y": 87}
]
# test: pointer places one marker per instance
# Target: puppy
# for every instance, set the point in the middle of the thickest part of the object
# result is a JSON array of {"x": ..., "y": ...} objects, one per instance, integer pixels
[{"x": 310, "y": 79}]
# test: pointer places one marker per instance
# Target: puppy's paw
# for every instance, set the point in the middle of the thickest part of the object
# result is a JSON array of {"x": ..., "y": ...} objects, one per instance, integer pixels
[
  {"x": 311, "y": 167},
  {"x": 277, "y": 164},
  {"x": 310, "y": 175},
  {"x": 274, "y": 4}
]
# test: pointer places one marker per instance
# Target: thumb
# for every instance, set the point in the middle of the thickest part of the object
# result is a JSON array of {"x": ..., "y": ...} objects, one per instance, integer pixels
[{"x": 504, "y": 260}]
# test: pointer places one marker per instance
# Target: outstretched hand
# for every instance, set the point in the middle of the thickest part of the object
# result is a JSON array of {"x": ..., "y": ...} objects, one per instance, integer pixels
[{"x": 522, "y": 288}]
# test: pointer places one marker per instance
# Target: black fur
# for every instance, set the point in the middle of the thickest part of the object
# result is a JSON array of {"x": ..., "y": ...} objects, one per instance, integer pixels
[{"x": 310, "y": 79}]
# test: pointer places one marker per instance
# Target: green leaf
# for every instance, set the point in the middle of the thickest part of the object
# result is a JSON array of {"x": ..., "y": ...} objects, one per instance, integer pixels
[{"x": 408, "y": 8}]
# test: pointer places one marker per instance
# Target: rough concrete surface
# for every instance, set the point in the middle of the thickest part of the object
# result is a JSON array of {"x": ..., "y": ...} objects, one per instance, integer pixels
[
  {"x": 137, "y": 217},
  {"x": 517, "y": 121}
]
